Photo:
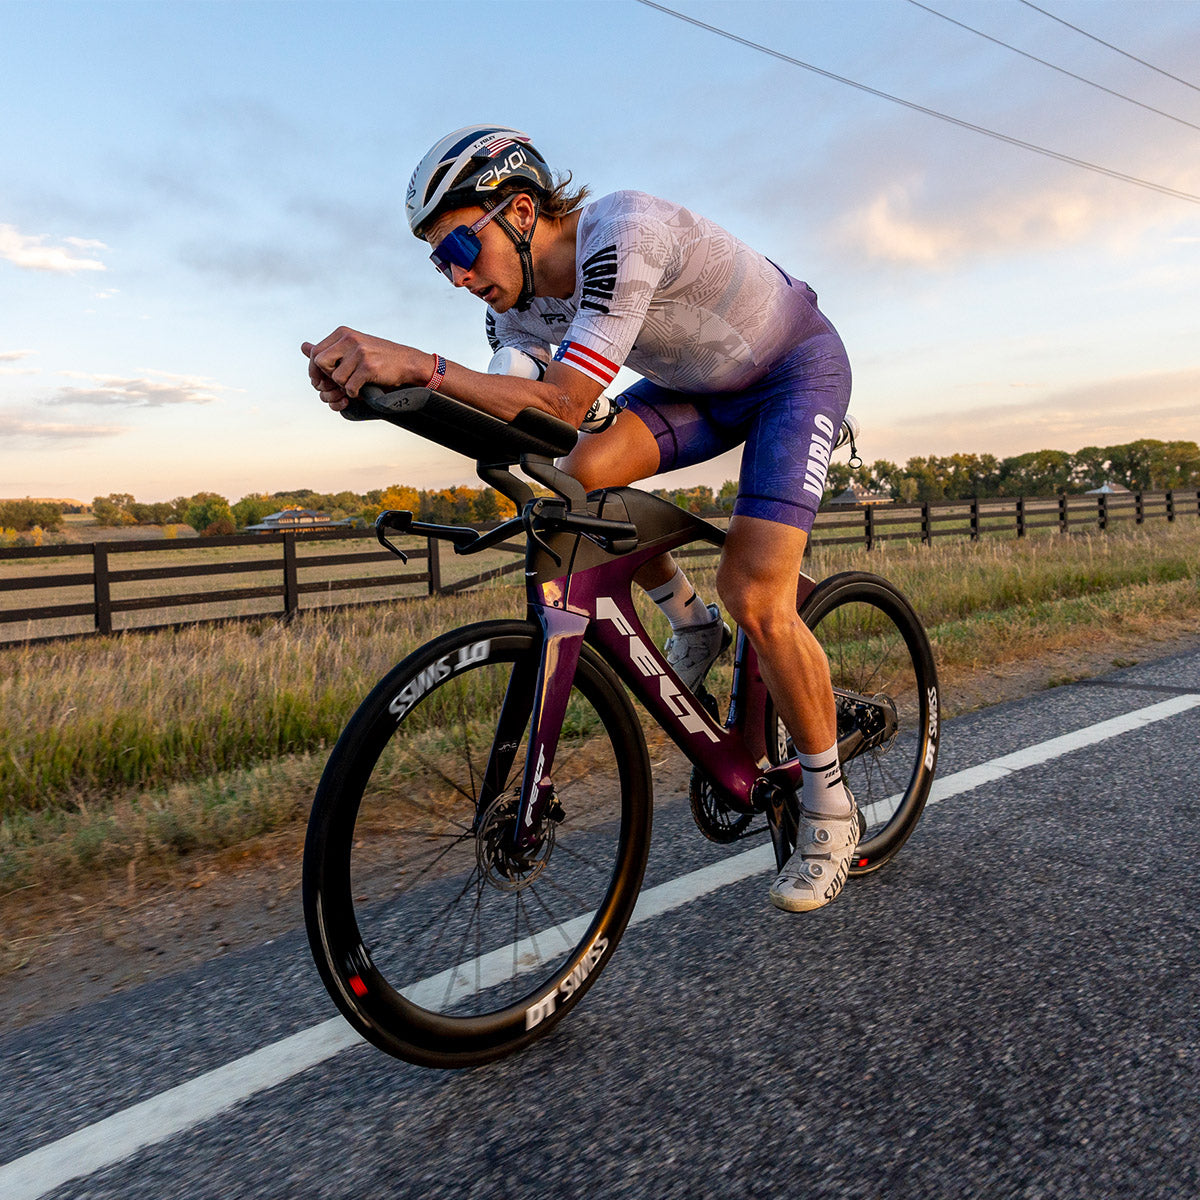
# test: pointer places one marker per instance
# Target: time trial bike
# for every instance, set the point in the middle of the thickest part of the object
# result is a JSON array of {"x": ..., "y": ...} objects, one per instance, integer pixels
[{"x": 478, "y": 839}]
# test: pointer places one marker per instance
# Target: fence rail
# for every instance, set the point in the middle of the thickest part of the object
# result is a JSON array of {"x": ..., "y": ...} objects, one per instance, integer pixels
[{"x": 110, "y": 592}]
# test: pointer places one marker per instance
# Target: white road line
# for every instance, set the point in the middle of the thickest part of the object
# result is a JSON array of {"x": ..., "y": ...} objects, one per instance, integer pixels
[{"x": 181, "y": 1108}]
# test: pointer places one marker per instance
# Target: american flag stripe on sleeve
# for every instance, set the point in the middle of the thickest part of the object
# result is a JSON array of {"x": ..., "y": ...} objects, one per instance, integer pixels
[{"x": 594, "y": 365}]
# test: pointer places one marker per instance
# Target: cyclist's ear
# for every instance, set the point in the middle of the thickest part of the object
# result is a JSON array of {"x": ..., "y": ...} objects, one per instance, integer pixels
[{"x": 522, "y": 212}]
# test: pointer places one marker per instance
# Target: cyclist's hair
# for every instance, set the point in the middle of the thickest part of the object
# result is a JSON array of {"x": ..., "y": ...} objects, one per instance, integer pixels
[{"x": 559, "y": 202}]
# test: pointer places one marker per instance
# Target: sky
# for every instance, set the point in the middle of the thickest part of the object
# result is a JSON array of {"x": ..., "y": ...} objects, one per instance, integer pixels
[{"x": 188, "y": 191}]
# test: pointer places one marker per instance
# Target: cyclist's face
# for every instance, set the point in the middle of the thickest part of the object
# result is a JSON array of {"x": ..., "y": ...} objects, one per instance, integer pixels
[{"x": 495, "y": 275}]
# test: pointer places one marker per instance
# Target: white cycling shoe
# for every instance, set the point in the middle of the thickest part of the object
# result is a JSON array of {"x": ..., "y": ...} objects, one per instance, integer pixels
[
  {"x": 820, "y": 865},
  {"x": 691, "y": 652}
]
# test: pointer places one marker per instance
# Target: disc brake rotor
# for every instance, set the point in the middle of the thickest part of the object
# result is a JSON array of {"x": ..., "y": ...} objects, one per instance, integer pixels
[{"x": 502, "y": 862}]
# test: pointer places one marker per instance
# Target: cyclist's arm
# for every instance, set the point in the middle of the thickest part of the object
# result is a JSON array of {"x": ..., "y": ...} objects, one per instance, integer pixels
[{"x": 346, "y": 361}]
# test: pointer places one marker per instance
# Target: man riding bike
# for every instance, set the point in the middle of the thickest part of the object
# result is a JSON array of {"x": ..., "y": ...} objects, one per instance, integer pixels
[{"x": 732, "y": 351}]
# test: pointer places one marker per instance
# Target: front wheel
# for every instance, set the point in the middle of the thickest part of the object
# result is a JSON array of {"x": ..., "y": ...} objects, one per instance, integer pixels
[
  {"x": 439, "y": 940},
  {"x": 886, "y": 693}
]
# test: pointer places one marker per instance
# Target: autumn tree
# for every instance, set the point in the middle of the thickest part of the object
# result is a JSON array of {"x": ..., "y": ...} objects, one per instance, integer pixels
[
  {"x": 209, "y": 514},
  {"x": 23, "y": 515},
  {"x": 114, "y": 509}
]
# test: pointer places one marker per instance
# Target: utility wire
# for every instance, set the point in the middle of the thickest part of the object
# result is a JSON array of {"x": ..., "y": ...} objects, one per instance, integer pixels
[
  {"x": 1161, "y": 188},
  {"x": 1052, "y": 66},
  {"x": 1118, "y": 49}
]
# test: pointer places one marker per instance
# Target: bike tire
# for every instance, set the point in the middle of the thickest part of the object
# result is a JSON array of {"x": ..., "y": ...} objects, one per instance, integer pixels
[
  {"x": 427, "y": 947},
  {"x": 877, "y": 646}
]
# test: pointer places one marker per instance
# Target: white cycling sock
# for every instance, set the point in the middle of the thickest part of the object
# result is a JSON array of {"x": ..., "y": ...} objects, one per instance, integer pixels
[
  {"x": 821, "y": 789},
  {"x": 679, "y": 601}
]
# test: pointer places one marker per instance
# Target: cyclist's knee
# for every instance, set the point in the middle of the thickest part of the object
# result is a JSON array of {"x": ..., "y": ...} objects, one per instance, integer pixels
[
  {"x": 594, "y": 465},
  {"x": 754, "y": 604},
  {"x": 621, "y": 455}
]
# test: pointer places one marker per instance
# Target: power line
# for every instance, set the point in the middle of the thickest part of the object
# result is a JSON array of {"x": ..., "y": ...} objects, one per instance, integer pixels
[
  {"x": 1118, "y": 49},
  {"x": 1053, "y": 66},
  {"x": 1161, "y": 188}
]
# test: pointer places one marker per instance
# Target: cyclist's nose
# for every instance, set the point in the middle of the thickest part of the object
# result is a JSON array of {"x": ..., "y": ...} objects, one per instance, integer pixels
[{"x": 459, "y": 276}]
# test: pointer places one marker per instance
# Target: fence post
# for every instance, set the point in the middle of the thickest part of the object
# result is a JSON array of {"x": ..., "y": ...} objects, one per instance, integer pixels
[
  {"x": 1139, "y": 508},
  {"x": 1102, "y": 512},
  {"x": 291, "y": 582},
  {"x": 100, "y": 588},
  {"x": 1171, "y": 505},
  {"x": 974, "y": 518},
  {"x": 1020, "y": 516},
  {"x": 869, "y": 526},
  {"x": 435, "y": 567},
  {"x": 926, "y": 525},
  {"x": 1062, "y": 512}
]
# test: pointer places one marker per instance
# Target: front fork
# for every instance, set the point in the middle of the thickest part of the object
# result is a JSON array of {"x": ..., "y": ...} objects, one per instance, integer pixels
[{"x": 542, "y": 704}]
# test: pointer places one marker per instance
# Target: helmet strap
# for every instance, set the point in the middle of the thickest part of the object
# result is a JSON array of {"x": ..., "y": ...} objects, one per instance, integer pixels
[{"x": 524, "y": 245}]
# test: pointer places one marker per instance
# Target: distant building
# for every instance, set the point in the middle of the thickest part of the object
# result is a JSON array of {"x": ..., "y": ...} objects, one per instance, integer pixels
[
  {"x": 297, "y": 519},
  {"x": 857, "y": 494},
  {"x": 1108, "y": 489}
]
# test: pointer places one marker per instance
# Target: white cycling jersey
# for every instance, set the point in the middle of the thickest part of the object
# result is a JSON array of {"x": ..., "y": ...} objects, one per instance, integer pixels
[{"x": 669, "y": 294}]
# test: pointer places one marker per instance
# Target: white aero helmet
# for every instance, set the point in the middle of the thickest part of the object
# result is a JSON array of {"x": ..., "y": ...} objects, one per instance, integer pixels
[{"x": 466, "y": 166}]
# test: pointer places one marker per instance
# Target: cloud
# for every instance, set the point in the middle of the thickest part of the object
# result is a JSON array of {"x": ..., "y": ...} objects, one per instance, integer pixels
[
  {"x": 8, "y": 357},
  {"x": 326, "y": 239},
  {"x": 16, "y": 430},
  {"x": 162, "y": 392},
  {"x": 891, "y": 227},
  {"x": 31, "y": 253},
  {"x": 248, "y": 265},
  {"x": 900, "y": 190},
  {"x": 1163, "y": 405}
]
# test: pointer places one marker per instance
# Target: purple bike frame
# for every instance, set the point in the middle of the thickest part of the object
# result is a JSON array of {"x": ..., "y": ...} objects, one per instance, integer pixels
[{"x": 594, "y": 602}]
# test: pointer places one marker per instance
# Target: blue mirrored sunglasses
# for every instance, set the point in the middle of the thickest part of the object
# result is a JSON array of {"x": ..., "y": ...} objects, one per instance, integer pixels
[{"x": 460, "y": 247}]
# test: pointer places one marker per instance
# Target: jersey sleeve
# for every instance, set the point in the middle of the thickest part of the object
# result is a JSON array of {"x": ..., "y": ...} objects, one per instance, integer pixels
[
  {"x": 504, "y": 330},
  {"x": 623, "y": 260}
]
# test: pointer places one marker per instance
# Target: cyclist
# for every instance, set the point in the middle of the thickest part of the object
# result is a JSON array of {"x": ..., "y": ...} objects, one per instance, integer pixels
[{"x": 732, "y": 350}]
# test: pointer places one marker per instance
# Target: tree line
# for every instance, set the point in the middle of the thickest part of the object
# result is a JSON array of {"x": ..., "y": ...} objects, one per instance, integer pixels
[
  {"x": 212, "y": 515},
  {"x": 1145, "y": 465},
  {"x": 1142, "y": 465}
]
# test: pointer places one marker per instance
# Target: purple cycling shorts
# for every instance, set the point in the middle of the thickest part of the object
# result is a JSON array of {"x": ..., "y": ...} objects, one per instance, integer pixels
[{"x": 788, "y": 422}]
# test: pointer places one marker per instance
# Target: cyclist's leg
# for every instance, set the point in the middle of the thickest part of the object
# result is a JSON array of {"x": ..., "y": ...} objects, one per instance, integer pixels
[
  {"x": 624, "y": 453},
  {"x": 660, "y": 430},
  {"x": 757, "y": 581},
  {"x": 796, "y": 412}
]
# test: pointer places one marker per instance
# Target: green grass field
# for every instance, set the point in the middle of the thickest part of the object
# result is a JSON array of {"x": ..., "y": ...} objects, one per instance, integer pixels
[{"x": 146, "y": 747}]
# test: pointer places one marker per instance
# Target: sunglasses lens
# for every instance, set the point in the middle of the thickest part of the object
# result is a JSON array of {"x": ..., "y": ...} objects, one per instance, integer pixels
[{"x": 459, "y": 248}]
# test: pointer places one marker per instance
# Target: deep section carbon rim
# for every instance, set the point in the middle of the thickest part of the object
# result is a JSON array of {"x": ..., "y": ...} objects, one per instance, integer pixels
[{"x": 439, "y": 941}]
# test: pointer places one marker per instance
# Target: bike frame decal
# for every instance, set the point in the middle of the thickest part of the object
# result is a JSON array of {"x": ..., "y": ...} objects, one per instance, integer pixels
[
  {"x": 669, "y": 691},
  {"x": 603, "y": 594}
]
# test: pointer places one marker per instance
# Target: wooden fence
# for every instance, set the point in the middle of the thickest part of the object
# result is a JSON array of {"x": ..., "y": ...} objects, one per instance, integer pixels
[{"x": 106, "y": 587}]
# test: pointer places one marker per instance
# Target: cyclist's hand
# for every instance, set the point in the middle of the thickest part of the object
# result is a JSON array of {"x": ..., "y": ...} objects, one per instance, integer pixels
[
  {"x": 348, "y": 360},
  {"x": 329, "y": 391}
]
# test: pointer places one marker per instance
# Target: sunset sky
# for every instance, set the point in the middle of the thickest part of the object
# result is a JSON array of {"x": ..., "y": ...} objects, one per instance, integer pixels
[{"x": 190, "y": 190}]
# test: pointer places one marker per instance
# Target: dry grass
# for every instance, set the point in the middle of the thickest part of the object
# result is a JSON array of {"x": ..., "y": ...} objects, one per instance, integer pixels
[{"x": 143, "y": 748}]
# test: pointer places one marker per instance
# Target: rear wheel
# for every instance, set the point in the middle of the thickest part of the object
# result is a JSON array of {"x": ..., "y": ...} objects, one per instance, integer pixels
[
  {"x": 439, "y": 941},
  {"x": 885, "y": 689}
]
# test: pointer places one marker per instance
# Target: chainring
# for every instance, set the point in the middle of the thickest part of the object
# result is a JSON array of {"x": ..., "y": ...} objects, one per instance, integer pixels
[{"x": 717, "y": 820}]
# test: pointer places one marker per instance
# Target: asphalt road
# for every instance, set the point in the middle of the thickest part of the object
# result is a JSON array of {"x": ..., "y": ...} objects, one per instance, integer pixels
[{"x": 1008, "y": 1010}]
